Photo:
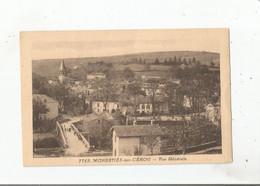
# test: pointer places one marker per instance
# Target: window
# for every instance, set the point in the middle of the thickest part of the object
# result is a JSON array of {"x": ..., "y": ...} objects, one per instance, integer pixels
[
  {"x": 98, "y": 121},
  {"x": 148, "y": 106},
  {"x": 97, "y": 104},
  {"x": 117, "y": 106},
  {"x": 143, "y": 107}
]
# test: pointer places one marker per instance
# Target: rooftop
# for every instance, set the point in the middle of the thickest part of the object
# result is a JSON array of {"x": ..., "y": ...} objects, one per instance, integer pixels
[
  {"x": 94, "y": 116},
  {"x": 137, "y": 130}
]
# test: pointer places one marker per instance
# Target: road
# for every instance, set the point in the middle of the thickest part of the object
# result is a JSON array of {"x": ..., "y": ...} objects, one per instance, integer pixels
[{"x": 75, "y": 146}]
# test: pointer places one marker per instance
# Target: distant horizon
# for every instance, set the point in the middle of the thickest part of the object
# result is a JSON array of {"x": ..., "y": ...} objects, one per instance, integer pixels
[{"x": 89, "y": 57}]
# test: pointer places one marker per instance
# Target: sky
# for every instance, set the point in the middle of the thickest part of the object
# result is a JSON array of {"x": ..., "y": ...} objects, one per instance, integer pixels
[{"x": 54, "y": 45}]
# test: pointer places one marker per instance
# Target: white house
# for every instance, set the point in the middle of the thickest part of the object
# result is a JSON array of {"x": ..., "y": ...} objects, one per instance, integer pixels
[
  {"x": 130, "y": 140},
  {"x": 146, "y": 108},
  {"x": 99, "y": 107},
  {"x": 50, "y": 103}
]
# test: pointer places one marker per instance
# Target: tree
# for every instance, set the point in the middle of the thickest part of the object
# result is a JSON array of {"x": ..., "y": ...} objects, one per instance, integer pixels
[
  {"x": 185, "y": 61},
  {"x": 170, "y": 61},
  {"x": 138, "y": 150},
  {"x": 192, "y": 131},
  {"x": 128, "y": 73},
  {"x": 189, "y": 62},
  {"x": 174, "y": 62},
  {"x": 156, "y": 61},
  {"x": 194, "y": 60},
  {"x": 39, "y": 107},
  {"x": 170, "y": 91},
  {"x": 134, "y": 90},
  {"x": 179, "y": 62},
  {"x": 105, "y": 92},
  {"x": 153, "y": 86},
  {"x": 165, "y": 62},
  {"x": 150, "y": 141},
  {"x": 140, "y": 60},
  {"x": 73, "y": 105},
  {"x": 38, "y": 82}
]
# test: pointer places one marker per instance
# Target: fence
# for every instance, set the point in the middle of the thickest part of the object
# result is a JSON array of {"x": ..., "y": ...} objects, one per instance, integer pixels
[
  {"x": 178, "y": 150},
  {"x": 61, "y": 135}
]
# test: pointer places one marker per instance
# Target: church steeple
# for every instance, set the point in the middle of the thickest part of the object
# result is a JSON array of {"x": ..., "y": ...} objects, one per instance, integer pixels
[
  {"x": 62, "y": 74},
  {"x": 62, "y": 68}
]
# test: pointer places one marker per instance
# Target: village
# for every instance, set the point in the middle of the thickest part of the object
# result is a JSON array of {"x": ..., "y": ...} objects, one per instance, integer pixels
[{"x": 125, "y": 112}]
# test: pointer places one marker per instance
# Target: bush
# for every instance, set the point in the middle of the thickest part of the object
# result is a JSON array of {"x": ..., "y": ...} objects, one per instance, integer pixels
[
  {"x": 44, "y": 126},
  {"x": 46, "y": 143}
]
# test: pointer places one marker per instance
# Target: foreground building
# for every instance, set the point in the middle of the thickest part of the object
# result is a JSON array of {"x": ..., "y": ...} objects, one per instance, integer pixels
[
  {"x": 95, "y": 127},
  {"x": 130, "y": 140}
]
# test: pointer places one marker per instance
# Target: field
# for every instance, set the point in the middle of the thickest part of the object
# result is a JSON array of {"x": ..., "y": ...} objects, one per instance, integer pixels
[
  {"x": 139, "y": 67},
  {"x": 49, "y": 68}
]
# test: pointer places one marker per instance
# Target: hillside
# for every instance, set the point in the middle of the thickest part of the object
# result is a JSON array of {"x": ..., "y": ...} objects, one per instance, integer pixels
[{"x": 50, "y": 67}]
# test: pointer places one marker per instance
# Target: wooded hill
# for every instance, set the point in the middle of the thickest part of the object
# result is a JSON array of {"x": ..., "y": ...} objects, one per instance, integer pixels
[{"x": 49, "y": 68}]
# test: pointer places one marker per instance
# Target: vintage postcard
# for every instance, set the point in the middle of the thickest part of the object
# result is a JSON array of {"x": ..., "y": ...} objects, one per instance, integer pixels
[{"x": 125, "y": 97}]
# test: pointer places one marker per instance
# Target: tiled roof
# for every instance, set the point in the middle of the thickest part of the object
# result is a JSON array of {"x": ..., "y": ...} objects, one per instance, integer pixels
[
  {"x": 91, "y": 117},
  {"x": 137, "y": 130},
  {"x": 94, "y": 116}
]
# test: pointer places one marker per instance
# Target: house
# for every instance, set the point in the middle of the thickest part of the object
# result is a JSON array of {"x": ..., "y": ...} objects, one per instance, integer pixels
[
  {"x": 144, "y": 105},
  {"x": 96, "y": 126},
  {"x": 110, "y": 106},
  {"x": 96, "y": 76},
  {"x": 213, "y": 112},
  {"x": 50, "y": 103},
  {"x": 130, "y": 140},
  {"x": 96, "y": 120}
]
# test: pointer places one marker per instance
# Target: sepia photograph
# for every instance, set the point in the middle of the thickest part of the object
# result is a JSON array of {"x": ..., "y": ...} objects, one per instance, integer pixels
[{"x": 126, "y": 97}]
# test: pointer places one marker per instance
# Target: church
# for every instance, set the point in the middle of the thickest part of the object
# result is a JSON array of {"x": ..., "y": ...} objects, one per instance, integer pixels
[{"x": 63, "y": 72}]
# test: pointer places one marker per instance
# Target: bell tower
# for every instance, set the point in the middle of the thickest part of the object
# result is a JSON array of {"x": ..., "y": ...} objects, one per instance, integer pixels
[{"x": 62, "y": 73}]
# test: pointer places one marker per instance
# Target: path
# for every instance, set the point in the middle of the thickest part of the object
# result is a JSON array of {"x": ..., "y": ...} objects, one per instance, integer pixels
[{"x": 75, "y": 146}]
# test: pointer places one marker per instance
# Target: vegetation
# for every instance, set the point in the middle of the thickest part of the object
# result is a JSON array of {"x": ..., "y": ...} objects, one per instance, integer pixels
[
  {"x": 195, "y": 131},
  {"x": 46, "y": 143},
  {"x": 49, "y": 68},
  {"x": 38, "y": 108},
  {"x": 69, "y": 102}
]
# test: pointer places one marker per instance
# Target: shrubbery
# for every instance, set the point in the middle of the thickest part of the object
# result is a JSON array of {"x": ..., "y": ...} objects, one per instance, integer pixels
[{"x": 46, "y": 143}]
